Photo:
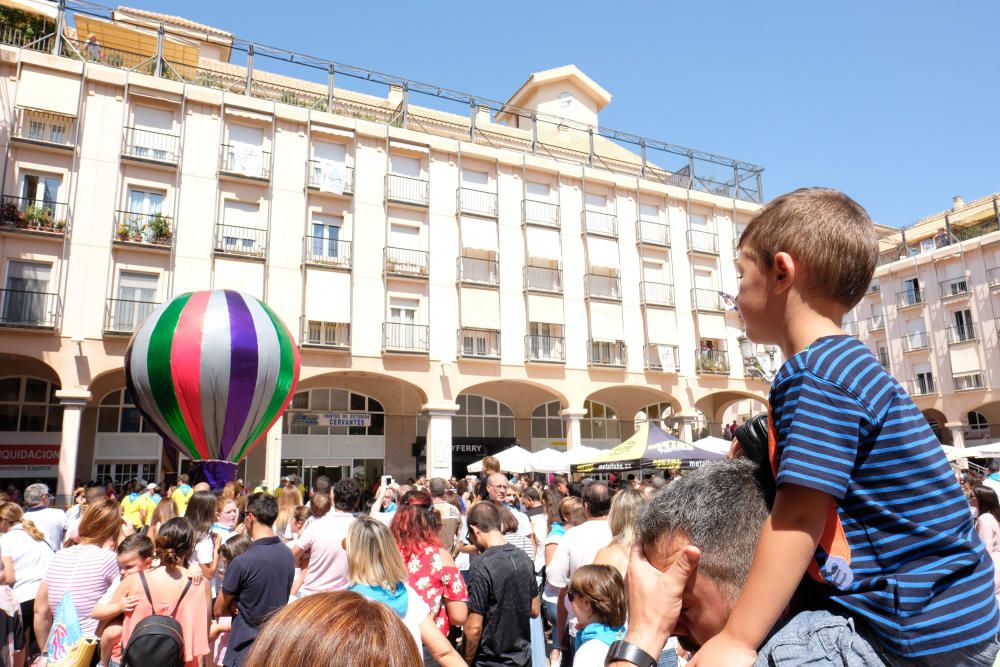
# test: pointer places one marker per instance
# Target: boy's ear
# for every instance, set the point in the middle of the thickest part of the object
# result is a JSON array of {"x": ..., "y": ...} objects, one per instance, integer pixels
[{"x": 784, "y": 271}]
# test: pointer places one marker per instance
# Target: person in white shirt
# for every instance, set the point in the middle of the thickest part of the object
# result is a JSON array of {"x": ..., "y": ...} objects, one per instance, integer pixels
[
  {"x": 579, "y": 547},
  {"x": 49, "y": 520},
  {"x": 496, "y": 487},
  {"x": 26, "y": 555}
]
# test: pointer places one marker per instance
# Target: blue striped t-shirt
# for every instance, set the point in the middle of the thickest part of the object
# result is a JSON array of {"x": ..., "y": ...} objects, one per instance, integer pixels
[{"x": 905, "y": 555}]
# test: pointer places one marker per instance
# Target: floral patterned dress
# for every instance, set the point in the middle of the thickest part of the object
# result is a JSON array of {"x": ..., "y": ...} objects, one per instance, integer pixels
[{"x": 435, "y": 581}]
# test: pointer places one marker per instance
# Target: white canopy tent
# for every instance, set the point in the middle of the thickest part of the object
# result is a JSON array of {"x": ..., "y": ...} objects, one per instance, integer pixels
[
  {"x": 714, "y": 444},
  {"x": 549, "y": 460},
  {"x": 582, "y": 453},
  {"x": 514, "y": 459},
  {"x": 983, "y": 450}
]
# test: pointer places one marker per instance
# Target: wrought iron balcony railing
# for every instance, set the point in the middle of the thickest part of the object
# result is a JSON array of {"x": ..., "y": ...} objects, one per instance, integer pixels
[
  {"x": 921, "y": 386},
  {"x": 706, "y": 299},
  {"x": 33, "y": 215},
  {"x": 600, "y": 223},
  {"x": 405, "y": 337},
  {"x": 543, "y": 279},
  {"x": 916, "y": 341},
  {"x": 479, "y": 271},
  {"x": 968, "y": 381},
  {"x": 406, "y": 190},
  {"x": 478, "y": 343},
  {"x": 328, "y": 252},
  {"x": 656, "y": 294},
  {"x": 603, "y": 287},
  {"x": 540, "y": 213},
  {"x": 545, "y": 348},
  {"x": 610, "y": 353},
  {"x": 143, "y": 144},
  {"x": 962, "y": 334},
  {"x": 333, "y": 335},
  {"x": 44, "y": 127},
  {"x": 406, "y": 262},
  {"x": 954, "y": 287},
  {"x": 666, "y": 358},
  {"x": 246, "y": 161},
  {"x": 476, "y": 202},
  {"x": 876, "y": 323},
  {"x": 124, "y": 316},
  {"x": 246, "y": 241},
  {"x": 909, "y": 297},
  {"x": 703, "y": 242},
  {"x": 712, "y": 362},
  {"x": 652, "y": 233},
  {"x": 152, "y": 229},
  {"x": 327, "y": 176},
  {"x": 29, "y": 309}
]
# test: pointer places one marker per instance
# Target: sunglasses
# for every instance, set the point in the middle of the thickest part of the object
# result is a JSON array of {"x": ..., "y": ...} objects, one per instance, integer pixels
[{"x": 570, "y": 596}]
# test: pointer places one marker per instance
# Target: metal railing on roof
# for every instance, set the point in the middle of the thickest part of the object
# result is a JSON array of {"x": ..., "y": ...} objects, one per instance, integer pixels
[{"x": 482, "y": 120}]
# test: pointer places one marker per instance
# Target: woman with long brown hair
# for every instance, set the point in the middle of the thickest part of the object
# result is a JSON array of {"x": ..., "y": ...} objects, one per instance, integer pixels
[
  {"x": 164, "y": 511},
  {"x": 985, "y": 500},
  {"x": 26, "y": 556},
  {"x": 341, "y": 628}
]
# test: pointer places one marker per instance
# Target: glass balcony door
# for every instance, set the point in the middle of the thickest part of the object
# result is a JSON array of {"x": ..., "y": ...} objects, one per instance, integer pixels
[{"x": 26, "y": 293}]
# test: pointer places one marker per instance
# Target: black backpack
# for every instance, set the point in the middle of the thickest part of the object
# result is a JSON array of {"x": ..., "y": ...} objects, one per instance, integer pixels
[{"x": 157, "y": 640}]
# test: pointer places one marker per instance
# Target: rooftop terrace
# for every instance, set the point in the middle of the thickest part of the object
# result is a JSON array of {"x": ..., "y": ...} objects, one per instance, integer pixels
[{"x": 178, "y": 49}]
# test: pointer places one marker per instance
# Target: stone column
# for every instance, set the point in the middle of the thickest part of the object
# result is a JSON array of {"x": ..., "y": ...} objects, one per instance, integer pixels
[
  {"x": 571, "y": 418},
  {"x": 438, "y": 449},
  {"x": 73, "y": 401},
  {"x": 958, "y": 440},
  {"x": 272, "y": 457}
]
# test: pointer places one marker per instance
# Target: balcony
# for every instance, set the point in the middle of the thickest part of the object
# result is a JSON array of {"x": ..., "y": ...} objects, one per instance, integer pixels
[
  {"x": 602, "y": 287},
  {"x": 993, "y": 277},
  {"x": 406, "y": 338},
  {"x": 324, "y": 251},
  {"x": 124, "y": 316},
  {"x": 916, "y": 341},
  {"x": 404, "y": 262},
  {"x": 406, "y": 190},
  {"x": 922, "y": 386},
  {"x": 150, "y": 146},
  {"x": 652, "y": 233},
  {"x": 543, "y": 279},
  {"x": 909, "y": 298},
  {"x": 600, "y": 223},
  {"x": 883, "y": 358},
  {"x": 243, "y": 161},
  {"x": 476, "y": 202},
  {"x": 852, "y": 328},
  {"x": 962, "y": 334},
  {"x": 540, "y": 213},
  {"x": 712, "y": 362},
  {"x": 969, "y": 381},
  {"x": 656, "y": 294},
  {"x": 874, "y": 288},
  {"x": 706, "y": 243},
  {"x": 33, "y": 216},
  {"x": 549, "y": 349},
  {"x": 954, "y": 287},
  {"x": 478, "y": 343},
  {"x": 44, "y": 128},
  {"x": 665, "y": 358},
  {"x": 606, "y": 353},
  {"x": 241, "y": 241},
  {"x": 331, "y": 177},
  {"x": 706, "y": 299},
  {"x": 28, "y": 309},
  {"x": 876, "y": 323},
  {"x": 478, "y": 271},
  {"x": 153, "y": 230},
  {"x": 327, "y": 335}
]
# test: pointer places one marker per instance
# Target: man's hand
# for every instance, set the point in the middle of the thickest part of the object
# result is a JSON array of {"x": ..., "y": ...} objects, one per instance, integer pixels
[
  {"x": 655, "y": 598},
  {"x": 723, "y": 649}
]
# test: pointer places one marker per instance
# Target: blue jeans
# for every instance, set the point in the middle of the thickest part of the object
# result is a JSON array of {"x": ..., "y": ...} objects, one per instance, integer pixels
[
  {"x": 818, "y": 638},
  {"x": 549, "y": 614}
]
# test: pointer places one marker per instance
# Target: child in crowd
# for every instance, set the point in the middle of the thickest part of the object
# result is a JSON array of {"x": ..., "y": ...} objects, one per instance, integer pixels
[
  {"x": 135, "y": 554},
  {"x": 866, "y": 502},
  {"x": 218, "y": 634}
]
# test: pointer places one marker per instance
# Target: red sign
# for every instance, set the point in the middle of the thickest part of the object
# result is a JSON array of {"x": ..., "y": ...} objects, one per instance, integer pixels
[{"x": 29, "y": 455}]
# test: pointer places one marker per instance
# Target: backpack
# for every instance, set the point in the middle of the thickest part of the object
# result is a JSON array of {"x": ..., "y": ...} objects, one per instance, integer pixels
[{"x": 157, "y": 640}]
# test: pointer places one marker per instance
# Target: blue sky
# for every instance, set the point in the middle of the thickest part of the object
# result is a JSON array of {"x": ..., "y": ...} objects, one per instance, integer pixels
[{"x": 895, "y": 102}]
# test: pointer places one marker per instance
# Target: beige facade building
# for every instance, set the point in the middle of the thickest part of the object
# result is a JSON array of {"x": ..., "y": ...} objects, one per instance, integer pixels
[
  {"x": 932, "y": 313},
  {"x": 460, "y": 274}
]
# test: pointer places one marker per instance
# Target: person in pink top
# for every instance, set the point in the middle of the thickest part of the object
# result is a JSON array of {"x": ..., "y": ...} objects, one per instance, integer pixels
[
  {"x": 985, "y": 500},
  {"x": 321, "y": 546},
  {"x": 170, "y": 587}
]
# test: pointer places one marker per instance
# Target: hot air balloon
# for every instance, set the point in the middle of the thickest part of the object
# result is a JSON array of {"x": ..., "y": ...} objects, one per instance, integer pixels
[{"x": 212, "y": 371}]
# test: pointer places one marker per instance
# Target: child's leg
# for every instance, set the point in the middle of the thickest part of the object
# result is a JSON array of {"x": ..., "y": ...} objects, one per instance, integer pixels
[{"x": 111, "y": 635}]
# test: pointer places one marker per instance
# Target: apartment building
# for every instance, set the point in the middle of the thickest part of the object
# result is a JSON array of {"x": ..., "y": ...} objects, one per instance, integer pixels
[
  {"x": 931, "y": 316},
  {"x": 459, "y": 279}
]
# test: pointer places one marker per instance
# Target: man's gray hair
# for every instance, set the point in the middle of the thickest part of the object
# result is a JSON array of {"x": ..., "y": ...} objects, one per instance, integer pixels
[
  {"x": 33, "y": 494},
  {"x": 720, "y": 508}
]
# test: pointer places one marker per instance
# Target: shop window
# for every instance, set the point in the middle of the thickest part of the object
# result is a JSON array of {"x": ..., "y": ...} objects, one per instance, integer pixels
[
  {"x": 481, "y": 417},
  {"x": 601, "y": 422},
  {"x": 546, "y": 422},
  {"x": 334, "y": 400},
  {"x": 122, "y": 473},
  {"x": 29, "y": 405},
  {"x": 118, "y": 414}
]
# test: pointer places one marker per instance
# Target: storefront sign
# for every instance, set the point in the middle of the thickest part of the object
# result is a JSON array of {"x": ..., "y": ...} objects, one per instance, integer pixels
[
  {"x": 477, "y": 449},
  {"x": 358, "y": 419},
  {"x": 29, "y": 460}
]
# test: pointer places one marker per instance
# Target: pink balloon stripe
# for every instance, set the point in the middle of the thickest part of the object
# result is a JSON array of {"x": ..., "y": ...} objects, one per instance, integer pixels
[{"x": 185, "y": 366}]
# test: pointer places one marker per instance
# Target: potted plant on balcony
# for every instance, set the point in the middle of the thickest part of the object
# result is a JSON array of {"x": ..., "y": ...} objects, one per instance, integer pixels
[
  {"x": 159, "y": 227},
  {"x": 10, "y": 214},
  {"x": 137, "y": 230},
  {"x": 39, "y": 217},
  {"x": 122, "y": 231}
]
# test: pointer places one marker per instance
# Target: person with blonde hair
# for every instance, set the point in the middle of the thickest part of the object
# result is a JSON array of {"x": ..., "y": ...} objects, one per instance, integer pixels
[
  {"x": 165, "y": 510},
  {"x": 26, "y": 555},
  {"x": 86, "y": 570},
  {"x": 289, "y": 499},
  {"x": 376, "y": 571},
  {"x": 341, "y": 628},
  {"x": 625, "y": 508}
]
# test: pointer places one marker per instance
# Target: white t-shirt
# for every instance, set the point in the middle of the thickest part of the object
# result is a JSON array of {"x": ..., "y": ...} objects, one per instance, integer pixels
[
  {"x": 31, "y": 557},
  {"x": 416, "y": 611},
  {"x": 50, "y": 521},
  {"x": 591, "y": 654},
  {"x": 550, "y": 593},
  {"x": 540, "y": 528},
  {"x": 579, "y": 547},
  {"x": 204, "y": 554}
]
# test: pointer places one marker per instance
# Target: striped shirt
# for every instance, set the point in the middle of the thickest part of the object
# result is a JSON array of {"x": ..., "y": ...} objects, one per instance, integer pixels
[
  {"x": 88, "y": 572},
  {"x": 901, "y": 551}
]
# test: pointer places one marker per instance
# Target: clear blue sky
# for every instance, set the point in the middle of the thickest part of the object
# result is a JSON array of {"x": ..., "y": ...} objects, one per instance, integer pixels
[{"x": 895, "y": 102}]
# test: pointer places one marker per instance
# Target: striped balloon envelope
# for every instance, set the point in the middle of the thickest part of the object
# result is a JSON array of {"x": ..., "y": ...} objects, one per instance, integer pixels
[{"x": 212, "y": 372}]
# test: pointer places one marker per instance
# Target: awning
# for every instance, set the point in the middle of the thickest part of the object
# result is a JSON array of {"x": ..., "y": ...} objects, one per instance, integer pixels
[
  {"x": 649, "y": 447},
  {"x": 38, "y": 7},
  {"x": 132, "y": 40}
]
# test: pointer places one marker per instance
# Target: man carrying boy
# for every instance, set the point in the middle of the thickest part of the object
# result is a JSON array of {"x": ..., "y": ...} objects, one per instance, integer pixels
[{"x": 866, "y": 502}]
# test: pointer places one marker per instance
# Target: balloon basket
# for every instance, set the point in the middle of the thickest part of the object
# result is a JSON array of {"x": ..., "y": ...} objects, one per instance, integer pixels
[{"x": 215, "y": 473}]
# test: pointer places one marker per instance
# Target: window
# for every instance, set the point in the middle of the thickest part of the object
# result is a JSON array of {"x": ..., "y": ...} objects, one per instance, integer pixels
[
  {"x": 118, "y": 414},
  {"x": 979, "y": 427},
  {"x": 240, "y": 230},
  {"x": 40, "y": 190},
  {"x": 546, "y": 422},
  {"x": 145, "y": 202},
  {"x": 123, "y": 473},
  {"x": 963, "y": 325},
  {"x": 659, "y": 414},
  {"x": 925, "y": 382},
  {"x": 325, "y": 236},
  {"x": 333, "y": 400},
  {"x": 477, "y": 180},
  {"x": 566, "y": 101},
  {"x": 601, "y": 422},
  {"x": 26, "y": 297},
  {"x": 151, "y": 137},
  {"x": 245, "y": 152},
  {"x": 481, "y": 417},
  {"x": 29, "y": 405},
  {"x": 911, "y": 289},
  {"x": 401, "y": 165},
  {"x": 479, "y": 343}
]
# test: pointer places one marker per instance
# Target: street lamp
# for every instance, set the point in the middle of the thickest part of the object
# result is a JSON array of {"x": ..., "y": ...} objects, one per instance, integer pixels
[{"x": 751, "y": 361}]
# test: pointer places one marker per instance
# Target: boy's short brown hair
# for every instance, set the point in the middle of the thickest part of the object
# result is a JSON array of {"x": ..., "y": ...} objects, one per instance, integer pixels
[{"x": 825, "y": 230}]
